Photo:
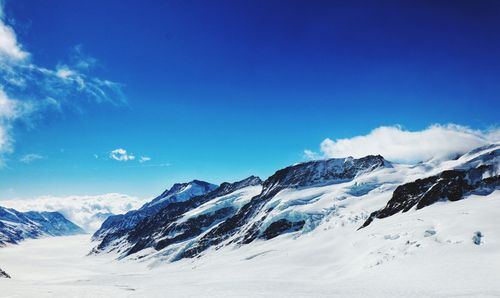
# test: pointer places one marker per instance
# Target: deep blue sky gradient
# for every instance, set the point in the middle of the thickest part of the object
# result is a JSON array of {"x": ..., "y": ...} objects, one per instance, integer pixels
[{"x": 225, "y": 89}]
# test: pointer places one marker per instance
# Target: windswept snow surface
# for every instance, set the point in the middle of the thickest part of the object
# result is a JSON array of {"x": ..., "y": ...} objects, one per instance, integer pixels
[
  {"x": 432, "y": 252},
  {"x": 447, "y": 249}
]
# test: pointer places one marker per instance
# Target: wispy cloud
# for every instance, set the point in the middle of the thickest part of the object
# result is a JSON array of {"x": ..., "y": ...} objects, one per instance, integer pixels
[
  {"x": 398, "y": 144},
  {"x": 143, "y": 159},
  {"x": 29, "y": 158},
  {"x": 121, "y": 154},
  {"x": 28, "y": 89},
  {"x": 11, "y": 110},
  {"x": 309, "y": 154},
  {"x": 151, "y": 165}
]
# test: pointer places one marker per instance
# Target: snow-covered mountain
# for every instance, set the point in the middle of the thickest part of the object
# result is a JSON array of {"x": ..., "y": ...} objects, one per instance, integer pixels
[
  {"x": 86, "y": 211},
  {"x": 16, "y": 226},
  {"x": 333, "y": 228},
  {"x": 474, "y": 173},
  {"x": 116, "y": 226},
  {"x": 296, "y": 200},
  {"x": 169, "y": 226},
  {"x": 236, "y": 213}
]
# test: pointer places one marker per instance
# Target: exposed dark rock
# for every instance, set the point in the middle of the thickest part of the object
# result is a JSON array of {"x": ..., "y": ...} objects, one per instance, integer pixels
[
  {"x": 282, "y": 226},
  {"x": 451, "y": 185},
  {"x": 3, "y": 274},
  {"x": 306, "y": 174},
  {"x": 224, "y": 230},
  {"x": 477, "y": 238},
  {"x": 162, "y": 225},
  {"x": 115, "y": 227},
  {"x": 321, "y": 172},
  {"x": 226, "y": 221}
]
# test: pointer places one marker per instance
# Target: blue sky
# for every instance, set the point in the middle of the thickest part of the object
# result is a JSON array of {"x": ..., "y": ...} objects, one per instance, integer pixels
[{"x": 220, "y": 90}]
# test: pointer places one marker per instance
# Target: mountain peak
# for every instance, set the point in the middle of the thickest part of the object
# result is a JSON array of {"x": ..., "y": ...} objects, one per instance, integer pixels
[
  {"x": 322, "y": 172},
  {"x": 249, "y": 181},
  {"x": 113, "y": 226},
  {"x": 183, "y": 191}
]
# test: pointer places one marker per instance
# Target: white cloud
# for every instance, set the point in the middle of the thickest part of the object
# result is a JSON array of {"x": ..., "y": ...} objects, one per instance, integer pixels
[
  {"x": 86, "y": 211},
  {"x": 5, "y": 142},
  {"x": 29, "y": 158},
  {"x": 121, "y": 155},
  {"x": 8, "y": 107},
  {"x": 309, "y": 154},
  {"x": 64, "y": 72},
  {"x": 400, "y": 145},
  {"x": 144, "y": 159},
  {"x": 80, "y": 60},
  {"x": 150, "y": 165},
  {"x": 27, "y": 90},
  {"x": 9, "y": 46},
  {"x": 10, "y": 110}
]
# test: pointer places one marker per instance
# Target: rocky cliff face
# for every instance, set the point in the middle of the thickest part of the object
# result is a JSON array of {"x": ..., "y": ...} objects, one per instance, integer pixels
[
  {"x": 321, "y": 172},
  {"x": 246, "y": 225},
  {"x": 300, "y": 198},
  {"x": 159, "y": 224},
  {"x": 477, "y": 176},
  {"x": 233, "y": 210},
  {"x": 167, "y": 228},
  {"x": 117, "y": 226}
]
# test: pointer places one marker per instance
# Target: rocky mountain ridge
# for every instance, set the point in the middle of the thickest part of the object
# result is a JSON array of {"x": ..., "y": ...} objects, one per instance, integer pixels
[{"x": 16, "y": 226}]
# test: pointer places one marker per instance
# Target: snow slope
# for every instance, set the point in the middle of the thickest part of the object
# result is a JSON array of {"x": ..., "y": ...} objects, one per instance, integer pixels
[
  {"x": 178, "y": 232},
  {"x": 116, "y": 225},
  {"x": 167, "y": 225},
  {"x": 303, "y": 226},
  {"x": 394, "y": 257}
]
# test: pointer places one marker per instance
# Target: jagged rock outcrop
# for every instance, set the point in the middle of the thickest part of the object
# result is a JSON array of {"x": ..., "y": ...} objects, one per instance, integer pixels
[
  {"x": 314, "y": 173},
  {"x": 282, "y": 226},
  {"x": 4, "y": 274},
  {"x": 159, "y": 223},
  {"x": 165, "y": 225},
  {"x": 114, "y": 227},
  {"x": 479, "y": 176},
  {"x": 297, "y": 200}
]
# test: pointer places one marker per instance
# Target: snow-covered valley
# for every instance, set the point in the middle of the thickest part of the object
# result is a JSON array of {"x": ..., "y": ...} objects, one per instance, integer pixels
[
  {"x": 329, "y": 228},
  {"x": 305, "y": 149},
  {"x": 427, "y": 253}
]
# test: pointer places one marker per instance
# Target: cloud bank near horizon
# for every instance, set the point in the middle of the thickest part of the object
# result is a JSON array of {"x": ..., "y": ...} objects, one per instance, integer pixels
[
  {"x": 86, "y": 211},
  {"x": 400, "y": 145}
]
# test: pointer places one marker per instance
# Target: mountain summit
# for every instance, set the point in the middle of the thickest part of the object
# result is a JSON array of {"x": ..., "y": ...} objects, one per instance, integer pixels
[
  {"x": 116, "y": 226},
  {"x": 237, "y": 212}
]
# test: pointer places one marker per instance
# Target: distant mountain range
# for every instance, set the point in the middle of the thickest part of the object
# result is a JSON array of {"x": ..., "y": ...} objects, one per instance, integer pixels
[
  {"x": 16, "y": 226},
  {"x": 193, "y": 218}
]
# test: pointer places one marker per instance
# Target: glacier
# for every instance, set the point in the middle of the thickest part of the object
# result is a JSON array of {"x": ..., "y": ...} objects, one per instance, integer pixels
[{"x": 331, "y": 228}]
